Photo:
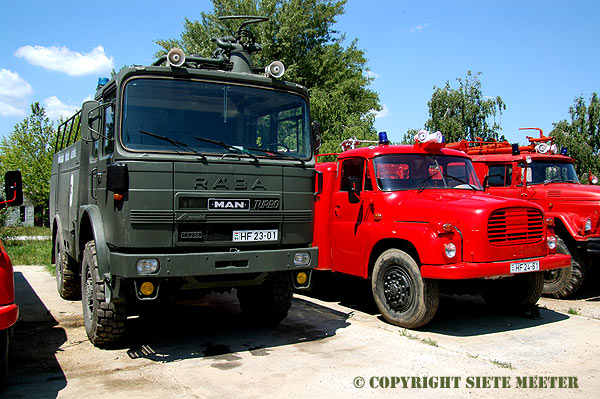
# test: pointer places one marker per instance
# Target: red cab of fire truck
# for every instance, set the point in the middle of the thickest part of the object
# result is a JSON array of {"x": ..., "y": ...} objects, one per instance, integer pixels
[
  {"x": 543, "y": 174},
  {"x": 9, "y": 311},
  {"x": 410, "y": 216}
]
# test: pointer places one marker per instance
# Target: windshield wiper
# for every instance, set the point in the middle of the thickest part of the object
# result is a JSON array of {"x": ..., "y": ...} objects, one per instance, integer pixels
[
  {"x": 176, "y": 143},
  {"x": 458, "y": 179},
  {"x": 276, "y": 154},
  {"x": 229, "y": 147}
]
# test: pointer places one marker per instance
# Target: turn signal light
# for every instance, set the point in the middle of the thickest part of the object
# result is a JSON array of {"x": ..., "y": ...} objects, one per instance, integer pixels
[
  {"x": 147, "y": 288},
  {"x": 301, "y": 278},
  {"x": 118, "y": 197}
]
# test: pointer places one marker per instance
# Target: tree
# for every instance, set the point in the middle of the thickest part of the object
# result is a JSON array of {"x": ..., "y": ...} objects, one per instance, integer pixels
[
  {"x": 581, "y": 136},
  {"x": 29, "y": 148},
  {"x": 300, "y": 34},
  {"x": 463, "y": 113}
]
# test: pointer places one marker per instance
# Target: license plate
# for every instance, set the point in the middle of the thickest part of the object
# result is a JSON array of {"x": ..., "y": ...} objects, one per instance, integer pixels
[
  {"x": 255, "y": 235},
  {"x": 524, "y": 267}
]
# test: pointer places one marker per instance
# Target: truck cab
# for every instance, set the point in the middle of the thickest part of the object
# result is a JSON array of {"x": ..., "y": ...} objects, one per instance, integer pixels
[
  {"x": 539, "y": 173},
  {"x": 409, "y": 216}
]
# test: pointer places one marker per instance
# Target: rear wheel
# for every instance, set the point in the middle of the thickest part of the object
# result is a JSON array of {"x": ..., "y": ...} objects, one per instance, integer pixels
[
  {"x": 104, "y": 321},
  {"x": 269, "y": 302},
  {"x": 563, "y": 283},
  {"x": 519, "y": 292},
  {"x": 402, "y": 296},
  {"x": 68, "y": 282}
]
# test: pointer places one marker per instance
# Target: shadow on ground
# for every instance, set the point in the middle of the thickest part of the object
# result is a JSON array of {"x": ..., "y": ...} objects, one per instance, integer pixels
[
  {"x": 36, "y": 338},
  {"x": 215, "y": 327},
  {"x": 457, "y": 315}
]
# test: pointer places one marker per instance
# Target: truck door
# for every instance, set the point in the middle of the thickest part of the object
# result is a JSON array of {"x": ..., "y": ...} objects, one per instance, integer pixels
[
  {"x": 500, "y": 181},
  {"x": 351, "y": 218}
]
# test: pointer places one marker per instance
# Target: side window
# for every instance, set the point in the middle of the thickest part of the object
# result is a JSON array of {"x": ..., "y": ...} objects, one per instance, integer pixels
[
  {"x": 351, "y": 168},
  {"x": 499, "y": 175},
  {"x": 109, "y": 125}
]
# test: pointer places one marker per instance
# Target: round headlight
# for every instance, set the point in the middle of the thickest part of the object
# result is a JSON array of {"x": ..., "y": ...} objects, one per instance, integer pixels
[
  {"x": 552, "y": 242},
  {"x": 588, "y": 224},
  {"x": 450, "y": 250}
]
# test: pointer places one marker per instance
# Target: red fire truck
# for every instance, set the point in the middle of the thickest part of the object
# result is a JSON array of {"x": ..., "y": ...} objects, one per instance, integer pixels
[
  {"x": 9, "y": 310},
  {"x": 410, "y": 216},
  {"x": 542, "y": 174}
]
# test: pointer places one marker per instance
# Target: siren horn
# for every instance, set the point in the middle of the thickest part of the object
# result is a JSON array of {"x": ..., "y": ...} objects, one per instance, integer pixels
[
  {"x": 175, "y": 57},
  {"x": 275, "y": 70}
]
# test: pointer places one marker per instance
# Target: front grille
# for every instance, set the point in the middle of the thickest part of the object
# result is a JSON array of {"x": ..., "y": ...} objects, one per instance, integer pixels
[{"x": 515, "y": 226}]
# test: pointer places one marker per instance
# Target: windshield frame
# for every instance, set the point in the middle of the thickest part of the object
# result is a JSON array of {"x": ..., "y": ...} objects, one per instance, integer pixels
[
  {"x": 303, "y": 132},
  {"x": 448, "y": 181}
]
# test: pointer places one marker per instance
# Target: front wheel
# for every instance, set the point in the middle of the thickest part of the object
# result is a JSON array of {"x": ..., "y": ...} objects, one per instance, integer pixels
[
  {"x": 104, "y": 321},
  {"x": 564, "y": 282},
  {"x": 403, "y": 297},
  {"x": 269, "y": 302}
]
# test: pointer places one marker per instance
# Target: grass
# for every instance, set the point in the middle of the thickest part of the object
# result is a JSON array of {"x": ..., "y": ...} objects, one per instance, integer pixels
[
  {"x": 428, "y": 341},
  {"x": 27, "y": 252},
  {"x": 573, "y": 311}
]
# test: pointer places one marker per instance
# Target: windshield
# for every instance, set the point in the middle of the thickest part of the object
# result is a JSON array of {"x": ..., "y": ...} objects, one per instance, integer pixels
[
  {"x": 198, "y": 115},
  {"x": 550, "y": 172},
  {"x": 418, "y": 172}
]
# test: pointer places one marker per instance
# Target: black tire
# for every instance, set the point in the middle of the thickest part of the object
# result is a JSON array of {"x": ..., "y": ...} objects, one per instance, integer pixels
[
  {"x": 517, "y": 293},
  {"x": 4, "y": 337},
  {"x": 68, "y": 281},
  {"x": 269, "y": 302},
  {"x": 565, "y": 282},
  {"x": 402, "y": 296},
  {"x": 104, "y": 322}
]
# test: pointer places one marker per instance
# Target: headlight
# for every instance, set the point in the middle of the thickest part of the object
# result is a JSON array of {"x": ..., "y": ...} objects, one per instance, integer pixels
[
  {"x": 588, "y": 224},
  {"x": 147, "y": 266},
  {"x": 302, "y": 259},
  {"x": 552, "y": 242},
  {"x": 450, "y": 250}
]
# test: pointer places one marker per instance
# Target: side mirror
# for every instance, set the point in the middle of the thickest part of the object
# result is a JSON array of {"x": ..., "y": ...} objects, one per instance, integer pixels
[
  {"x": 316, "y": 136},
  {"x": 485, "y": 183},
  {"x": 13, "y": 185},
  {"x": 90, "y": 120},
  {"x": 353, "y": 189}
]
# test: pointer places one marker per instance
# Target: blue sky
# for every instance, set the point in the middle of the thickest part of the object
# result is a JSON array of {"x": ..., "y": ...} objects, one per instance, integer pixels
[{"x": 537, "y": 55}]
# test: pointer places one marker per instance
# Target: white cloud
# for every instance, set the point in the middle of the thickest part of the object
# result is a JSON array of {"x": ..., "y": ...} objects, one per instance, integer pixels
[
  {"x": 373, "y": 75},
  {"x": 418, "y": 28},
  {"x": 62, "y": 59},
  {"x": 14, "y": 91},
  {"x": 56, "y": 108},
  {"x": 385, "y": 111}
]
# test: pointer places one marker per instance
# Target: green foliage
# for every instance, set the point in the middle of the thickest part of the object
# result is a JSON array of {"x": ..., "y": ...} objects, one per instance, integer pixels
[
  {"x": 581, "y": 135},
  {"x": 29, "y": 148},
  {"x": 463, "y": 113},
  {"x": 300, "y": 34}
]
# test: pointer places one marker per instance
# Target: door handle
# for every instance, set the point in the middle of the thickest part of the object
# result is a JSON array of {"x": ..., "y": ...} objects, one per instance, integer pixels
[{"x": 337, "y": 210}]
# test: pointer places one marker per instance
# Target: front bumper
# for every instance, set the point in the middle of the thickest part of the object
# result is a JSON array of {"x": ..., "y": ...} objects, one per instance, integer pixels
[
  {"x": 212, "y": 263},
  {"x": 8, "y": 315},
  {"x": 466, "y": 270}
]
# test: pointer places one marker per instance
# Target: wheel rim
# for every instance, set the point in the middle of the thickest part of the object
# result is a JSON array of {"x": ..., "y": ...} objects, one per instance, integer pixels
[
  {"x": 89, "y": 293},
  {"x": 398, "y": 289},
  {"x": 552, "y": 276}
]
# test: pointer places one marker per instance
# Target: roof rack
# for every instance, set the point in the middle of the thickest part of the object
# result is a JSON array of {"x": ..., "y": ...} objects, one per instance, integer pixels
[
  {"x": 68, "y": 132},
  {"x": 542, "y": 145}
]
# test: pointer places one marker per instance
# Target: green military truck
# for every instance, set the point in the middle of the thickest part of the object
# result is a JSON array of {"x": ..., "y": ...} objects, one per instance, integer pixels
[{"x": 192, "y": 174}]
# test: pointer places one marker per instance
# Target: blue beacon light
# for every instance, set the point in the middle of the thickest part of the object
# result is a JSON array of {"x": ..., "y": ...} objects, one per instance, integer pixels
[{"x": 383, "y": 139}]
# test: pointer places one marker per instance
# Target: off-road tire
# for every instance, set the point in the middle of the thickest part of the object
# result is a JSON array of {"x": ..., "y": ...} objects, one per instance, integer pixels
[
  {"x": 403, "y": 297},
  {"x": 68, "y": 281},
  {"x": 269, "y": 302},
  {"x": 4, "y": 337},
  {"x": 104, "y": 322},
  {"x": 517, "y": 293},
  {"x": 565, "y": 282}
]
